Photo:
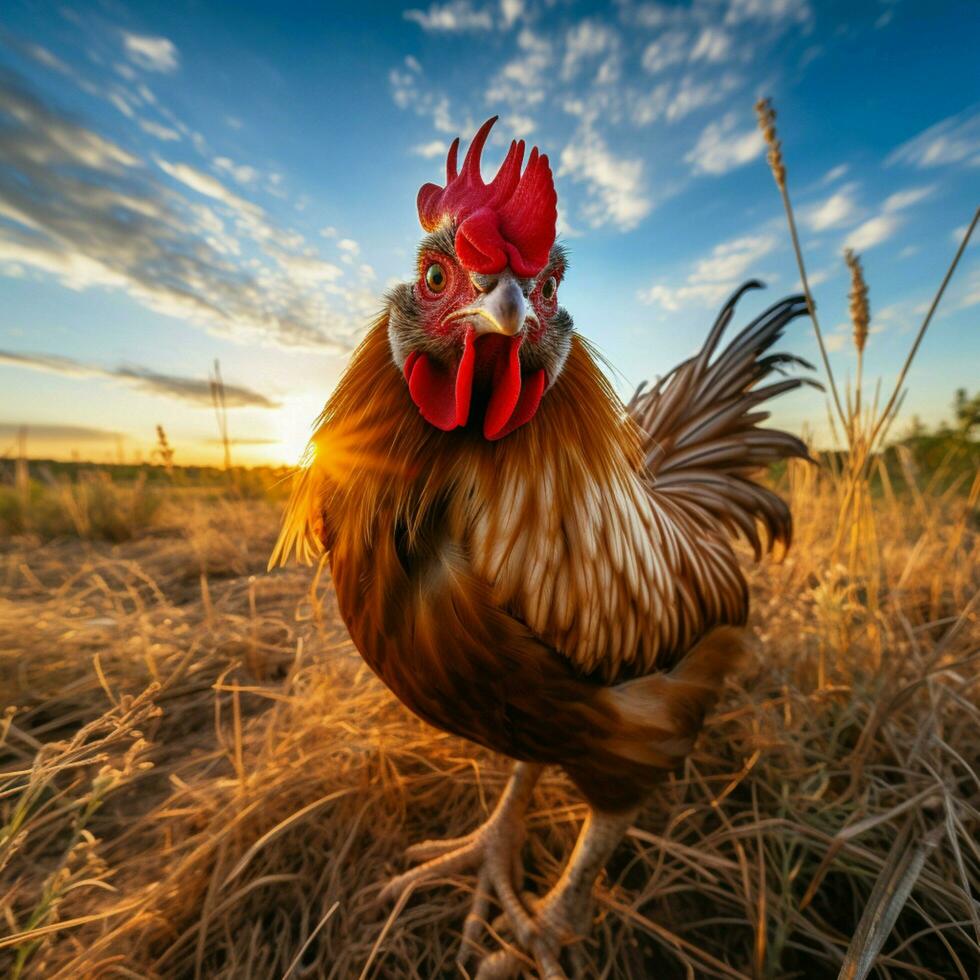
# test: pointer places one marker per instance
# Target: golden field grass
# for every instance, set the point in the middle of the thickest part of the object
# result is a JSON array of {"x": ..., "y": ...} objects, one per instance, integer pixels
[{"x": 200, "y": 778}]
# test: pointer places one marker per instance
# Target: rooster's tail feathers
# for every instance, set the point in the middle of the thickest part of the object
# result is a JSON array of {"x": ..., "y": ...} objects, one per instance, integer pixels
[{"x": 700, "y": 424}]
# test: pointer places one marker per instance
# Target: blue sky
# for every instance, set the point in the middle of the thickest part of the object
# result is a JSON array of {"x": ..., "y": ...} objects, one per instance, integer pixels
[{"x": 188, "y": 181}]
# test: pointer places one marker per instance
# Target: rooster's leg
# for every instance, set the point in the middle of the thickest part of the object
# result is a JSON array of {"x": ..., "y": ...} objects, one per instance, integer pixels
[
  {"x": 493, "y": 849},
  {"x": 565, "y": 913}
]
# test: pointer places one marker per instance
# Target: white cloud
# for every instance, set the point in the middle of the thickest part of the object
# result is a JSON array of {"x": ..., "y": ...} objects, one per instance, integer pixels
[
  {"x": 82, "y": 210},
  {"x": 459, "y": 15},
  {"x": 873, "y": 232},
  {"x": 647, "y": 107},
  {"x": 713, "y": 45},
  {"x": 151, "y": 53},
  {"x": 511, "y": 11},
  {"x": 838, "y": 209},
  {"x": 692, "y": 95},
  {"x": 907, "y": 198},
  {"x": 521, "y": 83},
  {"x": 721, "y": 148},
  {"x": 669, "y": 49},
  {"x": 971, "y": 293},
  {"x": 713, "y": 277},
  {"x": 731, "y": 260},
  {"x": 791, "y": 11},
  {"x": 164, "y": 133},
  {"x": 835, "y": 173},
  {"x": 309, "y": 270},
  {"x": 196, "y": 391},
  {"x": 520, "y": 125},
  {"x": 207, "y": 185},
  {"x": 955, "y": 140},
  {"x": 434, "y": 148},
  {"x": 615, "y": 187},
  {"x": 586, "y": 41},
  {"x": 835, "y": 341},
  {"x": 406, "y": 94},
  {"x": 241, "y": 172},
  {"x": 349, "y": 245},
  {"x": 959, "y": 232}
]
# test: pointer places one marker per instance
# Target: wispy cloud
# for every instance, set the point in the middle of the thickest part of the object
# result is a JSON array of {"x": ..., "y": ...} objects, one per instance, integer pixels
[
  {"x": 614, "y": 186},
  {"x": 521, "y": 83},
  {"x": 434, "y": 148},
  {"x": 197, "y": 391},
  {"x": 712, "y": 45},
  {"x": 90, "y": 212},
  {"x": 713, "y": 277},
  {"x": 880, "y": 228},
  {"x": 722, "y": 146},
  {"x": 835, "y": 173},
  {"x": 48, "y": 432},
  {"x": 151, "y": 53},
  {"x": 838, "y": 209},
  {"x": 693, "y": 93},
  {"x": 408, "y": 92},
  {"x": 873, "y": 232},
  {"x": 585, "y": 43},
  {"x": 971, "y": 289},
  {"x": 644, "y": 64},
  {"x": 165, "y": 133},
  {"x": 791, "y": 11},
  {"x": 459, "y": 15},
  {"x": 907, "y": 198},
  {"x": 669, "y": 49},
  {"x": 955, "y": 140}
]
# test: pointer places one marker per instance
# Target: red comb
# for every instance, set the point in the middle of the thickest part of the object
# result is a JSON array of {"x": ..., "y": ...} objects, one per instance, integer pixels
[{"x": 511, "y": 220}]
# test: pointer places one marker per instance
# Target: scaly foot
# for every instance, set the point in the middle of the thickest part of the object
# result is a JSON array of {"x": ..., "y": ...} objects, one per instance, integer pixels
[
  {"x": 493, "y": 850},
  {"x": 558, "y": 922},
  {"x": 564, "y": 915}
]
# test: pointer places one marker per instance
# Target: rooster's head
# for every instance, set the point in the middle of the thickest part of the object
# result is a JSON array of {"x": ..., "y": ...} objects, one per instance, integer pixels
[{"x": 479, "y": 334}]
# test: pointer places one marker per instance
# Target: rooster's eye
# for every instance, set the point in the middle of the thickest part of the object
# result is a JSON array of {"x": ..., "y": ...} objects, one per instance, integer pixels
[
  {"x": 435, "y": 277},
  {"x": 548, "y": 289}
]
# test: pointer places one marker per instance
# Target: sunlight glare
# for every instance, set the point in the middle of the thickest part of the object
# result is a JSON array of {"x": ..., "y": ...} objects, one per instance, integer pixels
[{"x": 294, "y": 424}]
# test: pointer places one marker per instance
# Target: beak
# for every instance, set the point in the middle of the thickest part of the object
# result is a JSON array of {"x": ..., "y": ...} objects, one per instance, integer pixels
[{"x": 501, "y": 309}]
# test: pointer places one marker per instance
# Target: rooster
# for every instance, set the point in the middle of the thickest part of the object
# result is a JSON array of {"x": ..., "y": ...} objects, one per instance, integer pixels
[{"x": 524, "y": 560}]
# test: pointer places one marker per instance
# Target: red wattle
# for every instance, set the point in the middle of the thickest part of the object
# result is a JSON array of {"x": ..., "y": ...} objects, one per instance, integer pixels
[
  {"x": 464, "y": 378},
  {"x": 432, "y": 388},
  {"x": 532, "y": 391},
  {"x": 505, "y": 383},
  {"x": 492, "y": 364}
]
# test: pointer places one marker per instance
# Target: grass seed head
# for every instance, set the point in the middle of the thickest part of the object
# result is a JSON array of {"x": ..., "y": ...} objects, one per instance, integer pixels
[
  {"x": 767, "y": 123},
  {"x": 860, "y": 310}
]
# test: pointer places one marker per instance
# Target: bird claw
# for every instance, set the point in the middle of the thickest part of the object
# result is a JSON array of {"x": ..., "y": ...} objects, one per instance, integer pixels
[
  {"x": 505, "y": 964},
  {"x": 559, "y": 921},
  {"x": 542, "y": 927},
  {"x": 494, "y": 851}
]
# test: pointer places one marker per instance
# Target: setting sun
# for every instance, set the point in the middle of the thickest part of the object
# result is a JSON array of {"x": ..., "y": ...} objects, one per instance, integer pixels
[{"x": 294, "y": 427}]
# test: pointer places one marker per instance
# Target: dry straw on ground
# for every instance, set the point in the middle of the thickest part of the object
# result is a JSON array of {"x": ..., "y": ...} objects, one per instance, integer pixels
[{"x": 286, "y": 781}]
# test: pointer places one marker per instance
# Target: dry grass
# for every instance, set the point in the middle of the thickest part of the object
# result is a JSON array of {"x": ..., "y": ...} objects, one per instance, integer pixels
[{"x": 285, "y": 781}]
